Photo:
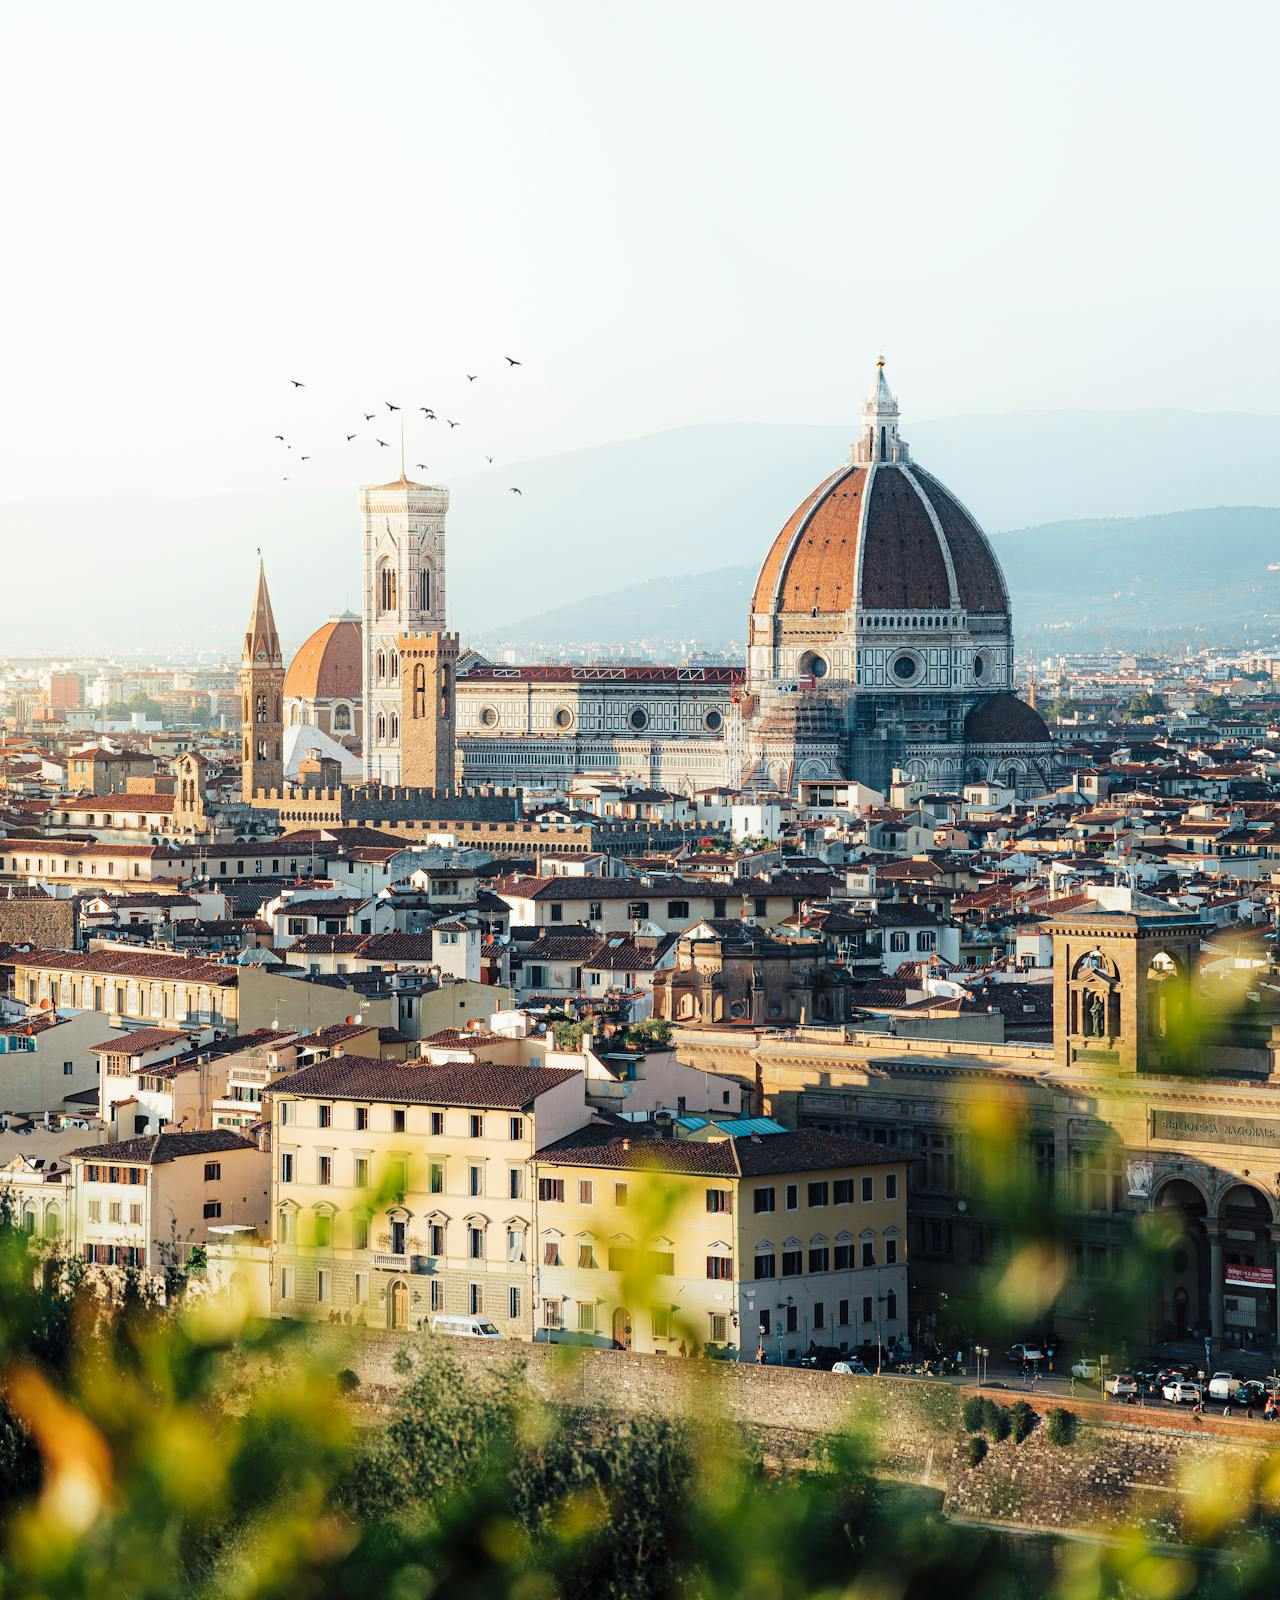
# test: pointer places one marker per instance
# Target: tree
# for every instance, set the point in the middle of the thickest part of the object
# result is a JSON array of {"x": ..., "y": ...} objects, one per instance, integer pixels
[
  {"x": 1146, "y": 704},
  {"x": 1213, "y": 706}
]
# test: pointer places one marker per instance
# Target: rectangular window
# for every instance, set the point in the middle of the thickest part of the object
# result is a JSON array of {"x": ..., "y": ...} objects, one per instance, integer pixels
[
  {"x": 866, "y": 1308},
  {"x": 866, "y": 1189},
  {"x": 435, "y": 1238},
  {"x": 842, "y": 1192},
  {"x": 868, "y": 1253},
  {"x": 397, "y": 1120},
  {"x": 762, "y": 1200},
  {"x": 286, "y": 1283},
  {"x": 515, "y": 1128},
  {"x": 551, "y": 1315},
  {"x": 286, "y": 1166},
  {"x": 437, "y": 1124},
  {"x": 435, "y": 1177},
  {"x": 842, "y": 1259},
  {"x": 818, "y": 1259},
  {"x": 891, "y": 1185},
  {"x": 619, "y": 1194},
  {"x": 515, "y": 1244},
  {"x": 766, "y": 1324},
  {"x": 586, "y": 1316},
  {"x": 284, "y": 1113},
  {"x": 793, "y": 1319},
  {"x": 475, "y": 1243},
  {"x": 764, "y": 1266},
  {"x": 720, "y": 1200},
  {"x": 661, "y": 1322},
  {"x": 595, "y": 910},
  {"x": 360, "y": 1288},
  {"x": 326, "y": 1116},
  {"x": 890, "y": 1252},
  {"x": 791, "y": 1197},
  {"x": 515, "y": 1183},
  {"x": 115, "y": 1212},
  {"x": 212, "y": 1208},
  {"x": 475, "y": 1299},
  {"x": 437, "y": 1295},
  {"x": 551, "y": 1253},
  {"x": 819, "y": 1314},
  {"x": 360, "y": 1233},
  {"x": 513, "y": 1303},
  {"x": 362, "y": 1172},
  {"x": 719, "y": 1327},
  {"x": 322, "y": 1285},
  {"x": 362, "y": 1118},
  {"x": 68, "y": 1067},
  {"x": 212, "y": 1171},
  {"x": 586, "y": 1255},
  {"x": 551, "y": 1189},
  {"x": 476, "y": 1123},
  {"x": 792, "y": 1263},
  {"x": 842, "y": 1314},
  {"x": 324, "y": 1170},
  {"x": 586, "y": 1193},
  {"x": 719, "y": 1267},
  {"x": 135, "y": 1213},
  {"x": 324, "y": 1230},
  {"x": 475, "y": 1180},
  {"x": 817, "y": 1194}
]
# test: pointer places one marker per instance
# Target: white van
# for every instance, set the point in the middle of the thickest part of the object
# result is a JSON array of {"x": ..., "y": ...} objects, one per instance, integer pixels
[
  {"x": 1222, "y": 1386},
  {"x": 465, "y": 1327}
]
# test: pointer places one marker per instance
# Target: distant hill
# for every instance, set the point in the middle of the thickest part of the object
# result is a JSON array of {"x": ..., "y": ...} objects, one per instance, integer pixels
[
  {"x": 1124, "y": 579},
  {"x": 673, "y": 505}
]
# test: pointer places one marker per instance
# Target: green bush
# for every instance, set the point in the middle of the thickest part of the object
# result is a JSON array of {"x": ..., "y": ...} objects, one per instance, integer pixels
[
  {"x": 996, "y": 1420},
  {"x": 1023, "y": 1417},
  {"x": 974, "y": 1413},
  {"x": 975, "y": 1449},
  {"x": 348, "y": 1381},
  {"x": 1061, "y": 1425}
]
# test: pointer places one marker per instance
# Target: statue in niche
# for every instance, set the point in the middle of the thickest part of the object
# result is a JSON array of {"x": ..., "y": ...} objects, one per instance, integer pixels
[{"x": 1094, "y": 1009}]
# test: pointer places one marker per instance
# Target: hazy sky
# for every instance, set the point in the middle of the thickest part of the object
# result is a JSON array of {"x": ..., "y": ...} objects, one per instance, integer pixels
[{"x": 671, "y": 212}]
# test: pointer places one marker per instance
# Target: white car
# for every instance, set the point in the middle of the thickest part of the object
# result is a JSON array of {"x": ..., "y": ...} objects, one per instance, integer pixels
[
  {"x": 1181, "y": 1391},
  {"x": 1018, "y": 1353},
  {"x": 1124, "y": 1383},
  {"x": 1222, "y": 1386},
  {"x": 1085, "y": 1369}
]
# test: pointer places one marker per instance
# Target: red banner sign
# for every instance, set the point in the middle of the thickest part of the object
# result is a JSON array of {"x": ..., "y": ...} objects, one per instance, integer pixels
[{"x": 1251, "y": 1277}]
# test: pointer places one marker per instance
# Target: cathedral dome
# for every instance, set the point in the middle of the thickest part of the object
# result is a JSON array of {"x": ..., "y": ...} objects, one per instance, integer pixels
[
  {"x": 1004, "y": 719},
  {"x": 327, "y": 666},
  {"x": 880, "y": 534}
]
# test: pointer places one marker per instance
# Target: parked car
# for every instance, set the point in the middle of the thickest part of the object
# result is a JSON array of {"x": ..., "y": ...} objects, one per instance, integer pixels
[
  {"x": 1085, "y": 1368},
  {"x": 852, "y": 1368},
  {"x": 1251, "y": 1393},
  {"x": 1223, "y": 1385},
  {"x": 1018, "y": 1353},
  {"x": 1181, "y": 1391},
  {"x": 1121, "y": 1386},
  {"x": 465, "y": 1327}
]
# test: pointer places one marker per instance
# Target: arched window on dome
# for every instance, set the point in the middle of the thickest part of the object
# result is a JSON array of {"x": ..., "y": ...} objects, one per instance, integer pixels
[{"x": 424, "y": 589}]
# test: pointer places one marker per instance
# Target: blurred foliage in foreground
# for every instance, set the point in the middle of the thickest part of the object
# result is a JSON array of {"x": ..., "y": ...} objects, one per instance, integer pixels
[{"x": 152, "y": 1453}]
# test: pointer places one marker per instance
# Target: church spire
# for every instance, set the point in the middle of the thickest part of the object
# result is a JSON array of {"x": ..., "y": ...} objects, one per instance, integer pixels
[
  {"x": 261, "y": 641},
  {"x": 879, "y": 439}
]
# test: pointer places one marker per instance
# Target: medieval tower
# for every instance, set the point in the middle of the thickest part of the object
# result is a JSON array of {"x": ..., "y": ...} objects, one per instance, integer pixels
[{"x": 261, "y": 696}]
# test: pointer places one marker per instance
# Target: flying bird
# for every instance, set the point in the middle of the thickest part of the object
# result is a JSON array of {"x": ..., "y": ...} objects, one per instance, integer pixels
[
  {"x": 421, "y": 466},
  {"x": 472, "y": 376},
  {"x": 427, "y": 412},
  {"x": 512, "y": 362},
  {"x": 517, "y": 491},
  {"x": 285, "y": 479},
  {"x": 280, "y": 436},
  {"x": 489, "y": 459},
  {"x": 452, "y": 423},
  {"x": 350, "y": 437},
  {"x": 304, "y": 458},
  {"x": 384, "y": 444},
  {"x": 389, "y": 406},
  {"x": 370, "y": 415},
  {"x": 297, "y": 383}
]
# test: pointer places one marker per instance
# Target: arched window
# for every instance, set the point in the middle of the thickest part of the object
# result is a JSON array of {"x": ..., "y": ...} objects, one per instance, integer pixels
[
  {"x": 342, "y": 719},
  {"x": 395, "y": 725},
  {"x": 381, "y": 727},
  {"x": 424, "y": 589},
  {"x": 419, "y": 691},
  {"x": 380, "y": 666},
  {"x": 393, "y": 666},
  {"x": 387, "y": 598}
]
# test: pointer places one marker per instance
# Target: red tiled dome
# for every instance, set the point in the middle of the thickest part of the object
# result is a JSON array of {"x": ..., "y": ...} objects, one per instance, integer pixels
[
  {"x": 327, "y": 666},
  {"x": 880, "y": 535}
]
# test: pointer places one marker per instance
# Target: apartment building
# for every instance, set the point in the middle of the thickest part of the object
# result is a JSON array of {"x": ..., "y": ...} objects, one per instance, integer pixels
[
  {"x": 777, "y": 1240},
  {"x": 140, "y": 985},
  {"x": 145, "y": 1202},
  {"x": 403, "y": 1190}
]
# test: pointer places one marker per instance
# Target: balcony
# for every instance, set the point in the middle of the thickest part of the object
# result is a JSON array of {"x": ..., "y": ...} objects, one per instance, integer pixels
[{"x": 389, "y": 1262}]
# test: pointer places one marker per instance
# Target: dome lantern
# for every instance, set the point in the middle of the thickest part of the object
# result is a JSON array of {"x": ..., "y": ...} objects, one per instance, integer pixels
[{"x": 879, "y": 439}]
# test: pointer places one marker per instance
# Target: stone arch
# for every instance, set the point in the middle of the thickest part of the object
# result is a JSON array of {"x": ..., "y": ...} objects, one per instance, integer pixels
[{"x": 1252, "y": 1201}]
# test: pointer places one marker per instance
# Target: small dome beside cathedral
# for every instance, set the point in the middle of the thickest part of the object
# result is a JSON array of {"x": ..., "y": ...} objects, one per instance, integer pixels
[{"x": 327, "y": 666}]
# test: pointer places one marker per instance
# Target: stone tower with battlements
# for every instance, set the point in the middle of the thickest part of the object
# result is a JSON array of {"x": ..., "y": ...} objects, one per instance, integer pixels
[
  {"x": 261, "y": 698},
  {"x": 428, "y": 709}
]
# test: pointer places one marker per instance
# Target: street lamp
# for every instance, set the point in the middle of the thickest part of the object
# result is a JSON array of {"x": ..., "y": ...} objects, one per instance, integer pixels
[{"x": 981, "y": 1355}]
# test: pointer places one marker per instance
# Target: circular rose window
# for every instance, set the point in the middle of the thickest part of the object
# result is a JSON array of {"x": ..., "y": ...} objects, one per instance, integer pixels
[
  {"x": 639, "y": 718},
  {"x": 713, "y": 721},
  {"x": 906, "y": 667},
  {"x": 489, "y": 717},
  {"x": 564, "y": 717}
]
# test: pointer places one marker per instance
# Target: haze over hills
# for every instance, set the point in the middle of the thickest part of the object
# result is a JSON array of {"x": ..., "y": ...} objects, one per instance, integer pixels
[
  {"x": 671, "y": 505},
  {"x": 1074, "y": 584}
]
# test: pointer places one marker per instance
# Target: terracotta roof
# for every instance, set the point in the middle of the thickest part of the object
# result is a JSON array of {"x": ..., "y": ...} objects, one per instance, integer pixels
[
  {"x": 121, "y": 804},
  {"x": 328, "y": 666},
  {"x": 483, "y": 1086},
  {"x": 140, "y": 1041},
  {"x": 132, "y": 964},
  {"x": 154, "y": 1148},
  {"x": 1004, "y": 719},
  {"x": 803, "y": 1150}
]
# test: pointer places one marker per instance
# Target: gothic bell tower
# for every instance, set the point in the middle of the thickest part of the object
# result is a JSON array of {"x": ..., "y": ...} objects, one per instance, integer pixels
[{"x": 261, "y": 698}]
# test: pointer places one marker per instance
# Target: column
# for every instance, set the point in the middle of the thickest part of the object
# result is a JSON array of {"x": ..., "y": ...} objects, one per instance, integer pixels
[
  {"x": 1213, "y": 1228},
  {"x": 1275, "y": 1293}
]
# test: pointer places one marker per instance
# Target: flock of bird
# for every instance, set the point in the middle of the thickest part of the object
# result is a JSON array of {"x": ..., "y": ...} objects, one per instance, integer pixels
[{"x": 392, "y": 408}]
